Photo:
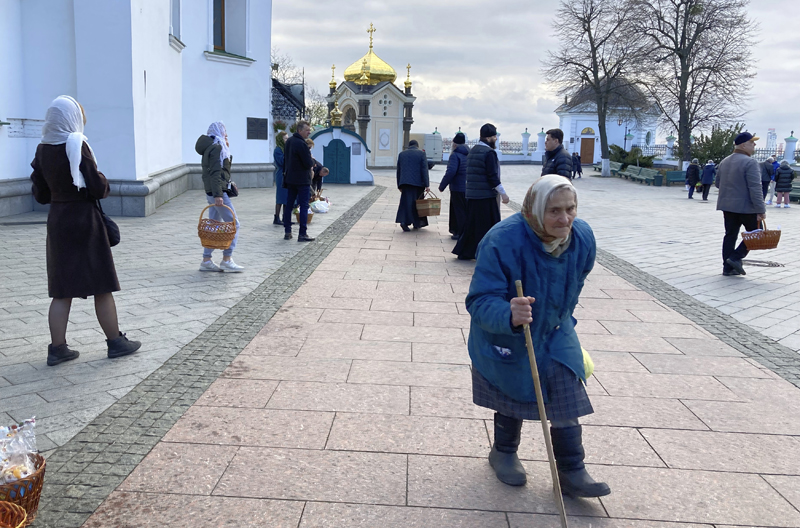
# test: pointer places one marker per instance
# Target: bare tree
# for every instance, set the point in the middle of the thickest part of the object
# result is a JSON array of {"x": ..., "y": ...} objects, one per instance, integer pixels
[
  {"x": 285, "y": 71},
  {"x": 594, "y": 60},
  {"x": 698, "y": 62}
]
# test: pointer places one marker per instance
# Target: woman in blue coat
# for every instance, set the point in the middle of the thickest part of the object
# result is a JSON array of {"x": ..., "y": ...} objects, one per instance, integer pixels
[
  {"x": 707, "y": 179},
  {"x": 456, "y": 177},
  {"x": 552, "y": 252},
  {"x": 281, "y": 193}
]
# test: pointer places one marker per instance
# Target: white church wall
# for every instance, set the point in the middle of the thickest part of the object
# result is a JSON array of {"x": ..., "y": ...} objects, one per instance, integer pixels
[
  {"x": 157, "y": 82},
  {"x": 359, "y": 174},
  {"x": 223, "y": 91},
  {"x": 104, "y": 80},
  {"x": 15, "y": 160}
]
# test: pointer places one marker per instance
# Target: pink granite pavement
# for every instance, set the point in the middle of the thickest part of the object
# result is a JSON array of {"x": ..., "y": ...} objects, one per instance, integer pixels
[{"x": 352, "y": 407}]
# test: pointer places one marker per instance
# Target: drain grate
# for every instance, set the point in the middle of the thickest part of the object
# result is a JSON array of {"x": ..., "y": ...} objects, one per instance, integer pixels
[{"x": 763, "y": 263}]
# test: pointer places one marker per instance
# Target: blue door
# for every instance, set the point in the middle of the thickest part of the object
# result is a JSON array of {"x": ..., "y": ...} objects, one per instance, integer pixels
[{"x": 336, "y": 156}]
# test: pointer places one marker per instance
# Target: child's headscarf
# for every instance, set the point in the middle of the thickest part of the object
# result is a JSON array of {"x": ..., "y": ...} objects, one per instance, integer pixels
[
  {"x": 63, "y": 124},
  {"x": 535, "y": 204}
]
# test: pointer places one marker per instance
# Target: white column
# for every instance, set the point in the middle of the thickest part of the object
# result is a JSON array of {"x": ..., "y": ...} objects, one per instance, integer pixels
[
  {"x": 525, "y": 140},
  {"x": 788, "y": 152},
  {"x": 539, "y": 154},
  {"x": 497, "y": 149}
]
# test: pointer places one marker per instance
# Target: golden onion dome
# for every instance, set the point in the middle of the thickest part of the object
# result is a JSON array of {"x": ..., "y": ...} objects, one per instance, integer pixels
[{"x": 375, "y": 68}]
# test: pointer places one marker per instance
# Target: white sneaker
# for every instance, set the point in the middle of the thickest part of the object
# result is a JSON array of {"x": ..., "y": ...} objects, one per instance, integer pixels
[
  {"x": 209, "y": 265},
  {"x": 785, "y": 206},
  {"x": 778, "y": 206},
  {"x": 230, "y": 266}
]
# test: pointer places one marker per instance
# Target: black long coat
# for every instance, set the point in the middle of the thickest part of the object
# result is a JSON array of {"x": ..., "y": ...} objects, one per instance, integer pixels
[{"x": 79, "y": 260}]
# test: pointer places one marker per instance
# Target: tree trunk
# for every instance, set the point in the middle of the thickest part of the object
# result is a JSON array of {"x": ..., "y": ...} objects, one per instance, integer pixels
[{"x": 602, "y": 114}]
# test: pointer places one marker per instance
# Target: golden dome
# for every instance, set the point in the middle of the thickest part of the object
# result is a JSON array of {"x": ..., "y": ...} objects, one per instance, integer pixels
[{"x": 370, "y": 64}]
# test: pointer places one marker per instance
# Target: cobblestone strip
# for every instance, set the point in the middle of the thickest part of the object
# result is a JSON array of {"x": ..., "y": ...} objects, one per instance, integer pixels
[
  {"x": 84, "y": 471},
  {"x": 782, "y": 360}
]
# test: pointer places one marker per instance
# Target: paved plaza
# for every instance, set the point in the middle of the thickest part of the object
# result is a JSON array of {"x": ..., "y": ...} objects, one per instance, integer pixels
[{"x": 330, "y": 385}]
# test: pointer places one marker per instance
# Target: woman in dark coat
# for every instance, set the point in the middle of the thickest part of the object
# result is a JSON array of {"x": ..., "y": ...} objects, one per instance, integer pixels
[
  {"x": 280, "y": 191},
  {"x": 692, "y": 176},
  {"x": 552, "y": 253},
  {"x": 412, "y": 182},
  {"x": 783, "y": 183},
  {"x": 456, "y": 177},
  {"x": 79, "y": 260},
  {"x": 707, "y": 179}
]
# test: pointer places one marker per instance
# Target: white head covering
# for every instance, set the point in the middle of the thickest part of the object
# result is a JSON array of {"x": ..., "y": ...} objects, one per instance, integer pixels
[
  {"x": 63, "y": 123},
  {"x": 218, "y": 131},
  {"x": 535, "y": 204}
]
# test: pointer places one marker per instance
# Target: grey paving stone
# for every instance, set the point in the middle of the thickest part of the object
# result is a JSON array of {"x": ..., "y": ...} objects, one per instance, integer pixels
[
  {"x": 324, "y": 515},
  {"x": 344, "y": 397}
]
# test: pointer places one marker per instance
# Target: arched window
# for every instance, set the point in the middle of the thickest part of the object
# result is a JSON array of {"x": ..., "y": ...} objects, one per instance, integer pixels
[
  {"x": 588, "y": 131},
  {"x": 350, "y": 119}
]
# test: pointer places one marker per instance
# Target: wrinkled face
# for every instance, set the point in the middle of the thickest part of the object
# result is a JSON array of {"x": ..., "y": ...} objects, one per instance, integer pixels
[
  {"x": 561, "y": 210},
  {"x": 550, "y": 143},
  {"x": 749, "y": 147}
]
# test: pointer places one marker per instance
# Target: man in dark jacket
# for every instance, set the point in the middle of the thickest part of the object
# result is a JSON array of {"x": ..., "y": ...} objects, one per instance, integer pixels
[
  {"x": 297, "y": 179},
  {"x": 767, "y": 175},
  {"x": 739, "y": 200},
  {"x": 483, "y": 188},
  {"x": 413, "y": 182},
  {"x": 557, "y": 159},
  {"x": 456, "y": 177}
]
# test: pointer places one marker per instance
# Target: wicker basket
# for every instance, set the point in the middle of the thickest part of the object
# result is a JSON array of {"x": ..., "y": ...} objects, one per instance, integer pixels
[
  {"x": 429, "y": 206},
  {"x": 26, "y": 492},
  {"x": 308, "y": 221},
  {"x": 12, "y": 516},
  {"x": 764, "y": 239},
  {"x": 214, "y": 234}
]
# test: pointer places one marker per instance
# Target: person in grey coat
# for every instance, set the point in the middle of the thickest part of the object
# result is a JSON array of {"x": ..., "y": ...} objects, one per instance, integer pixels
[
  {"x": 740, "y": 199},
  {"x": 412, "y": 182}
]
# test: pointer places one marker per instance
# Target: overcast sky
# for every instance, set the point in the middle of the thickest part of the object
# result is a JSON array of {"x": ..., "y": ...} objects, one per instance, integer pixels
[{"x": 478, "y": 61}]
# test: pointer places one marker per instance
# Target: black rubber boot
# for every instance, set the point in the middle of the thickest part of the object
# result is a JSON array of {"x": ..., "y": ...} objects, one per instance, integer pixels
[
  {"x": 503, "y": 457},
  {"x": 59, "y": 354},
  {"x": 277, "y": 220},
  {"x": 568, "y": 450},
  {"x": 122, "y": 346}
]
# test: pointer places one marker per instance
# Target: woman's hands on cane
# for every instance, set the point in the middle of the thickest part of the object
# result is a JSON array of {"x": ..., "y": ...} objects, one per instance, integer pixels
[{"x": 521, "y": 312}]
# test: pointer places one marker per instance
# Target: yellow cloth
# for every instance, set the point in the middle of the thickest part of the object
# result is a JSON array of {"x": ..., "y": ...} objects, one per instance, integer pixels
[{"x": 588, "y": 364}]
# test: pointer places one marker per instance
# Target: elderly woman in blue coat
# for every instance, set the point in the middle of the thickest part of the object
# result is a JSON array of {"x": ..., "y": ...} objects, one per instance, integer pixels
[{"x": 552, "y": 252}]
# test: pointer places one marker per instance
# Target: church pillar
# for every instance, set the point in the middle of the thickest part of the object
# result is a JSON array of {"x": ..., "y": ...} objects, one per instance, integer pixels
[
  {"x": 408, "y": 119},
  {"x": 363, "y": 118}
]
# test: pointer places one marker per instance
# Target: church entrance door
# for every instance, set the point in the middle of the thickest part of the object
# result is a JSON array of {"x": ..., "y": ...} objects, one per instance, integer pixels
[
  {"x": 587, "y": 150},
  {"x": 336, "y": 156}
]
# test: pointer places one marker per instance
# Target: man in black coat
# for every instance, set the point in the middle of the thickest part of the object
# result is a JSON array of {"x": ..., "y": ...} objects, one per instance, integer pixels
[
  {"x": 413, "y": 182},
  {"x": 557, "y": 159},
  {"x": 297, "y": 180}
]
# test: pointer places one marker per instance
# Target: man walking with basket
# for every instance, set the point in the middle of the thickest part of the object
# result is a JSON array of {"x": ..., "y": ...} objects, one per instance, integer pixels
[
  {"x": 412, "y": 182},
  {"x": 740, "y": 199}
]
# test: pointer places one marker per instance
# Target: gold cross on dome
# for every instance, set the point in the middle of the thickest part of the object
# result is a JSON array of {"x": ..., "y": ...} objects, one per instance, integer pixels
[
  {"x": 408, "y": 68},
  {"x": 371, "y": 30},
  {"x": 333, "y": 71}
]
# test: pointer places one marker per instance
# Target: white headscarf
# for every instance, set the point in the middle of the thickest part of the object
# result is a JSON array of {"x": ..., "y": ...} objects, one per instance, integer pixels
[
  {"x": 218, "y": 131},
  {"x": 535, "y": 204},
  {"x": 63, "y": 123}
]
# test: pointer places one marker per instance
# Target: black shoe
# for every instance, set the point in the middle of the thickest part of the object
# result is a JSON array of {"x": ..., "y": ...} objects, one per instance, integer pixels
[
  {"x": 305, "y": 238},
  {"x": 405, "y": 228},
  {"x": 568, "y": 450},
  {"x": 122, "y": 346},
  {"x": 730, "y": 272},
  {"x": 503, "y": 457},
  {"x": 287, "y": 236},
  {"x": 277, "y": 220},
  {"x": 60, "y": 354},
  {"x": 735, "y": 264}
]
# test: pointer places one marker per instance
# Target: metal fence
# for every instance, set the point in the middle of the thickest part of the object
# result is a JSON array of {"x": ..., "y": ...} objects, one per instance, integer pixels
[
  {"x": 659, "y": 151},
  {"x": 507, "y": 147},
  {"x": 511, "y": 147}
]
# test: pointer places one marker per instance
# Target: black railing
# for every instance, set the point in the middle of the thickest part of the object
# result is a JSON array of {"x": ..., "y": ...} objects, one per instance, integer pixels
[
  {"x": 507, "y": 147},
  {"x": 659, "y": 151}
]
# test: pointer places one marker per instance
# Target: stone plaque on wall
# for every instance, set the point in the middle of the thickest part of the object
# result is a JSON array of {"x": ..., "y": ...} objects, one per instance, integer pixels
[
  {"x": 257, "y": 128},
  {"x": 356, "y": 150},
  {"x": 385, "y": 139}
]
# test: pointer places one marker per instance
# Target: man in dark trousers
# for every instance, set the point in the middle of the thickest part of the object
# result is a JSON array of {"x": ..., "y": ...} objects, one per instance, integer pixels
[
  {"x": 767, "y": 175},
  {"x": 413, "y": 182},
  {"x": 483, "y": 189},
  {"x": 456, "y": 177},
  {"x": 740, "y": 199},
  {"x": 557, "y": 159},
  {"x": 297, "y": 179}
]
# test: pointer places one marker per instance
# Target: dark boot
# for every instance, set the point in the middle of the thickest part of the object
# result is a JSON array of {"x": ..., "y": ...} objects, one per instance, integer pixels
[
  {"x": 503, "y": 457},
  {"x": 568, "y": 450},
  {"x": 277, "y": 220},
  {"x": 59, "y": 354},
  {"x": 121, "y": 346}
]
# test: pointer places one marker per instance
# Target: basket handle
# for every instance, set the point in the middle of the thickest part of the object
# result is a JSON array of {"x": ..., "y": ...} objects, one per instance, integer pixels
[
  {"x": 212, "y": 205},
  {"x": 424, "y": 194},
  {"x": 763, "y": 224}
]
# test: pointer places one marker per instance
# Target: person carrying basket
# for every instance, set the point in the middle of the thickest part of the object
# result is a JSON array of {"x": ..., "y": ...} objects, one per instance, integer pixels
[
  {"x": 216, "y": 162},
  {"x": 551, "y": 253}
]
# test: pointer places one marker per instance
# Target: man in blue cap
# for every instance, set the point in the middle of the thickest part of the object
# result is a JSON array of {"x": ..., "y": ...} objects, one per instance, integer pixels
[{"x": 740, "y": 199}]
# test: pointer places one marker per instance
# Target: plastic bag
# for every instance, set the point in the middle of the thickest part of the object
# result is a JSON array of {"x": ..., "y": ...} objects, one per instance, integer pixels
[
  {"x": 17, "y": 443},
  {"x": 319, "y": 206}
]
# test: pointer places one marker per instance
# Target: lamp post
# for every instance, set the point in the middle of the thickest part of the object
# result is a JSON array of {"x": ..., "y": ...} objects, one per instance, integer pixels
[{"x": 625, "y": 138}]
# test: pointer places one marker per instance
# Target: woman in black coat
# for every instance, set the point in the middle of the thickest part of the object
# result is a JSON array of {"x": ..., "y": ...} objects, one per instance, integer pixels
[
  {"x": 783, "y": 183},
  {"x": 693, "y": 176},
  {"x": 456, "y": 177},
  {"x": 79, "y": 260}
]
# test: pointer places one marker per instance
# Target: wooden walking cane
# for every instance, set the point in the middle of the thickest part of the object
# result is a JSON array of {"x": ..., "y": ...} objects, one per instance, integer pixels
[{"x": 537, "y": 385}]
